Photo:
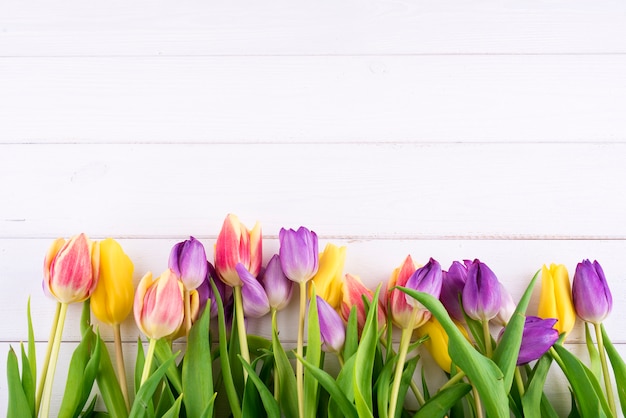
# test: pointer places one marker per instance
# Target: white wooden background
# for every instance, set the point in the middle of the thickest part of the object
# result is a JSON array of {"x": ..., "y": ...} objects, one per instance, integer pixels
[{"x": 490, "y": 129}]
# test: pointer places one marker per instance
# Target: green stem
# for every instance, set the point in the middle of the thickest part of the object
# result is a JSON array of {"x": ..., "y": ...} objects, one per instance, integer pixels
[
  {"x": 187, "y": 299},
  {"x": 418, "y": 395},
  {"x": 519, "y": 382},
  {"x": 241, "y": 329},
  {"x": 46, "y": 362},
  {"x": 276, "y": 376},
  {"x": 119, "y": 360},
  {"x": 454, "y": 379},
  {"x": 405, "y": 340},
  {"x": 477, "y": 404},
  {"x": 300, "y": 350},
  {"x": 605, "y": 369},
  {"x": 487, "y": 337},
  {"x": 340, "y": 358},
  {"x": 147, "y": 365},
  {"x": 557, "y": 358},
  {"x": 54, "y": 356}
]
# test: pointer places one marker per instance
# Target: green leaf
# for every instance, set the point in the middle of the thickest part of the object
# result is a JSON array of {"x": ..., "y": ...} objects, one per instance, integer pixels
[
  {"x": 174, "y": 411},
  {"x": 531, "y": 401},
  {"x": 162, "y": 352},
  {"x": 166, "y": 401},
  {"x": 85, "y": 318},
  {"x": 344, "y": 406},
  {"x": 383, "y": 385},
  {"x": 197, "y": 367},
  {"x": 619, "y": 368},
  {"x": 362, "y": 379},
  {"x": 108, "y": 384},
  {"x": 144, "y": 395},
  {"x": 594, "y": 357},
  {"x": 313, "y": 356},
  {"x": 287, "y": 397},
  {"x": 270, "y": 404},
  {"x": 76, "y": 384},
  {"x": 32, "y": 353},
  {"x": 352, "y": 335},
  {"x": 18, "y": 402},
  {"x": 483, "y": 373},
  {"x": 344, "y": 381},
  {"x": 507, "y": 351},
  {"x": 407, "y": 376},
  {"x": 440, "y": 404},
  {"x": 28, "y": 381},
  {"x": 229, "y": 384},
  {"x": 585, "y": 386},
  {"x": 140, "y": 360}
]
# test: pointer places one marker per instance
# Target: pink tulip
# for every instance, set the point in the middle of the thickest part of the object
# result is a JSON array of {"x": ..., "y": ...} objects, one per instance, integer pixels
[
  {"x": 397, "y": 304},
  {"x": 353, "y": 290},
  {"x": 159, "y": 307}
]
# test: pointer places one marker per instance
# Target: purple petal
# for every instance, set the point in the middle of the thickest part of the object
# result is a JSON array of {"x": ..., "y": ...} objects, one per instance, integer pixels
[
  {"x": 298, "y": 253},
  {"x": 537, "y": 338},
  {"x": 481, "y": 293},
  {"x": 255, "y": 303},
  {"x": 590, "y": 292},
  {"x": 188, "y": 260},
  {"x": 277, "y": 286},
  {"x": 332, "y": 328},
  {"x": 427, "y": 279},
  {"x": 452, "y": 288}
]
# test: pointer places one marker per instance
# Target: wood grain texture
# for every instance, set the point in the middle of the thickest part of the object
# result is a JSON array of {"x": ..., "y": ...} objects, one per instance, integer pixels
[{"x": 374, "y": 99}]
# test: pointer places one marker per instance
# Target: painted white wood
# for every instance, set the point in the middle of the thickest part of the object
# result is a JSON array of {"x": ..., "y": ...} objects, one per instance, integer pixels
[
  {"x": 416, "y": 191},
  {"x": 245, "y": 27},
  {"x": 512, "y": 98}
]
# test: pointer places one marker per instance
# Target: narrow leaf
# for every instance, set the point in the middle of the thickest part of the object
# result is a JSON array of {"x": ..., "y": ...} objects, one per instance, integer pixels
[
  {"x": 28, "y": 381},
  {"x": 144, "y": 395},
  {"x": 18, "y": 403},
  {"x": 442, "y": 402},
  {"x": 174, "y": 411},
  {"x": 270, "y": 404},
  {"x": 594, "y": 357},
  {"x": 108, "y": 384},
  {"x": 352, "y": 335},
  {"x": 75, "y": 381},
  {"x": 162, "y": 352},
  {"x": 619, "y": 369},
  {"x": 313, "y": 356},
  {"x": 531, "y": 401},
  {"x": 287, "y": 397},
  {"x": 32, "y": 353},
  {"x": 197, "y": 376}
]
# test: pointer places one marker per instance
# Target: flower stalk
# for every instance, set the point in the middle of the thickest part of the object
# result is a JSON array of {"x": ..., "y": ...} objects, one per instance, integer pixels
[
  {"x": 119, "y": 360},
  {"x": 148, "y": 363},
  {"x": 605, "y": 369},
  {"x": 405, "y": 340},
  {"x": 54, "y": 356},
  {"x": 300, "y": 349},
  {"x": 46, "y": 361},
  {"x": 241, "y": 328}
]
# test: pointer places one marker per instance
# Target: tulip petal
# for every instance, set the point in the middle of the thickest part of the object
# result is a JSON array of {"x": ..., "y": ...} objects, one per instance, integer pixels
[
  {"x": 277, "y": 286},
  {"x": 332, "y": 328},
  {"x": 255, "y": 302}
]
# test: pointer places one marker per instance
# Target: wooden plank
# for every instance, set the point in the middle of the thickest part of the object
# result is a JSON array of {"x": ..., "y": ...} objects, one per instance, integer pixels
[
  {"x": 514, "y": 262},
  {"x": 314, "y": 99},
  {"x": 245, "y": 27},
  {"x": 416, "y": 191}
]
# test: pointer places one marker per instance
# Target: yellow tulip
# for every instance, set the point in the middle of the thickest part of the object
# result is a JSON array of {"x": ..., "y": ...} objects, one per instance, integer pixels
[
  {"x": 555, "y": 300},
  {"x": 437, "y": 343},
  {"x": 329, "y": 277},
  {"x": 112, "y": 300}
]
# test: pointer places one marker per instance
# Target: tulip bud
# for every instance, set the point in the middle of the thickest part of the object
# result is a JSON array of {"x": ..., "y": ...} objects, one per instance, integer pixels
[
  {"x": 329, "y": 278},
  {"x": 353, "y": 291},
  {"x": 590, "y": 292},
  {"x": 507, "y": 307},
  {"x": 555, "y": 300},
  {"x": 277, "y": 286},
  {"x": 481, "y": 294},
  {"x": 112, "y": 300},
  {"x": 236, "y": 244},
  {"x": 71, "y": 269},
  {"x": 537, "y": 338},
  {"x": 397, "y": 304},
  {"x": 332, "y": 328},
  {"x": 188, "y": 261},
  {"x": 298, "y": 253},
  {"x": 255, "y": 303},
  {"x": 452, "y": 288},
  {"x": 437, "y": 342},
  {"x": 159, "y": 306}
]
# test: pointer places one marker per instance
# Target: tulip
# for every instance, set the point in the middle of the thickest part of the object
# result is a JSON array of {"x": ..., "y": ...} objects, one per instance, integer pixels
[
  {"x": 236, "y": 244},
  {"x": 329, "y": 278},
  {"x": 277, "y": 286},
  {"x": 507, "y": 307},
  {"x": 255, "y": 302},
  {"x": 332, "y": 328},
  {"x": 188, "y": 260},
  {"x": 482, "y": 296},
  {"x": 71, "y": 269},
  {"x": 298, "y": 253},
  {"x": 353, "y": 291},
  {"x": 425, "y": 279},
  {"x": 590, "y": 292},
  {"x": 437, "y": 342},
  {"x": 397, "y": 304},
  {"x": 159, "y": 305},
  {"x": 537, "y": 338},
  {"x": 452, "y": 288},
  {"x": 555, "y": 300}
]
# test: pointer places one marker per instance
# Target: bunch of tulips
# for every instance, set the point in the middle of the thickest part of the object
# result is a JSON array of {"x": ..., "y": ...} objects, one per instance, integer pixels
[{"x": 496, "y": 356}]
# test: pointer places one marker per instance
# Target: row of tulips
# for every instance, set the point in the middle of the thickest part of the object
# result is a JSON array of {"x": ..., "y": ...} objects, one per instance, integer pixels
[{"x": 451, "y": 313}]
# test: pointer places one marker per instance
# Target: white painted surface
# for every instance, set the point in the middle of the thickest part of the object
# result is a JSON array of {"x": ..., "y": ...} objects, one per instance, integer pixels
[{"x": 487, "y": 129}]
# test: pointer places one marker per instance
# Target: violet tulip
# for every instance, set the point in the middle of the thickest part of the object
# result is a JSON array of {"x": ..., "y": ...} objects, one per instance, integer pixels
[
  {"x": 299, "y": 256},
  {"x": 590, "y": 292},
  {"x": 277, "y": 286},
  {"x": 332, "y": 328},
  {"x": 452, "y": 288},
  {"x": 188, "y": 260},
  {"x": 537, "y": 338},
  {"x": 426, "y": 279},
  {"x": 482, "y": 296},
  {"x": 255, "y": 302},
  {"x": 236, "y": 244}
]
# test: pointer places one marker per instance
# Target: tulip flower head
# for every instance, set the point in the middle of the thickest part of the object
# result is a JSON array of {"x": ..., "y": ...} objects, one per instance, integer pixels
[
  {"x": 236, "y": 244},
  {"x": 71, "y": 269},
  {"x": 452, "y": 288},
  {"x": 158, "y": 308},
  {"x": 188, "y": 260},
  {"x": 437, "y": 342},
  {"x": 255, "y": 302},
  {"x": 426, "y": 279},
  {"x": 537, "y": 338},
  {"x": 555, "y": 300},
  {"x": 112, "y": 300},
  {"x": 482, "y": 296},
  {"x": 590, "y": 292},
  {"x": 329, "y": 278},
  {"x": 277, "y": 286},
  {"x": 397, "y": 304},
  {"x": 332, "y": 328},
  {"x": 507, "y": 307},
  {"x": 353, "y": 292},
  {"x": 298, "y": 252}
]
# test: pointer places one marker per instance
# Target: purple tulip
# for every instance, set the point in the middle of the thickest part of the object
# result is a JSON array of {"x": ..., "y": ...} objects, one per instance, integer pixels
[
  {"x": 427, "y": 279},
  {"x": 481, "y": 294},
  {"x": 298, "y": 253},
  {"x": 277, "y": 286},
  {"x": 590, "y": 292},
  {"x": 452, "y": 288},
  {"x": 255, "y": 303},
  {"x": 188, "y": 261},
  {"x": 537, "y": 338},
  {"x": 205, "y": 291},
  {"x": 332, "y": 328}
]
